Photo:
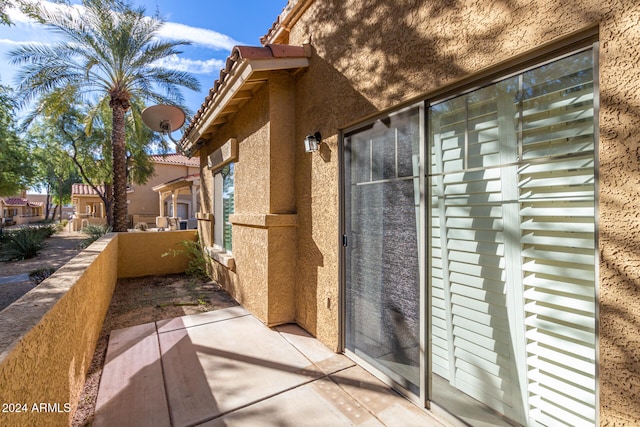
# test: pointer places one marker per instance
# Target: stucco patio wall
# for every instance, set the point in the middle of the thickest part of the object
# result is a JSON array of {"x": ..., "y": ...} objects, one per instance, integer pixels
[
  {"x": 147, "y": 253},
  {"x": 48, "y": 337}
]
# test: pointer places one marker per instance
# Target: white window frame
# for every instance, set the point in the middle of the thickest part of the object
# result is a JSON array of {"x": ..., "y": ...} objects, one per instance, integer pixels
[{"x": 217, "y": 161}]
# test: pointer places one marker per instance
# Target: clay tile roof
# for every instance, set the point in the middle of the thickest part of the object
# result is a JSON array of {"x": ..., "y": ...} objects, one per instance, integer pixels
[
  {"x": 239, "y": 54},
  {"x": 175, "y": 159},
  {"x": 289, "y": 14},
  {"x": 36, "y": 204},
  {"x": 85, "y": 190},
  {"x": 15, "y": 201}
]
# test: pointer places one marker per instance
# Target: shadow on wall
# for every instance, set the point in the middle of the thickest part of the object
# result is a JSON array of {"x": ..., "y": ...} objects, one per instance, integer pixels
[
  {"x": 377, "y": 62},
  {"x": 325, "y": 102},
  {"x": 619, "y": 265}
]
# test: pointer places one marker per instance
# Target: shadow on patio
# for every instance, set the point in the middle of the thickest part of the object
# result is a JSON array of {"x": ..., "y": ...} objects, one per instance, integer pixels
[{"x": 226, "y": 368}]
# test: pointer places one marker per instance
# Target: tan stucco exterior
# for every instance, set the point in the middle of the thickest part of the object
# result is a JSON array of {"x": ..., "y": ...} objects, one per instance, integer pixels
[
  {"x": 48, "y": 337},
  {"x": 370, "y": 56},
  {"x": 151, "y": 253},
  {"x": 144, "y": 202}
]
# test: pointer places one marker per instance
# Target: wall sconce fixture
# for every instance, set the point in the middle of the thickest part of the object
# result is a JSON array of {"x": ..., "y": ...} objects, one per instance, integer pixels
[{"x": 312, "y": 142}]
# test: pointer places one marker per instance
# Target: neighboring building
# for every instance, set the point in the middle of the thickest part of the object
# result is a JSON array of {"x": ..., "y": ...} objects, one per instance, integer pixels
[
  {"x": 20, "y": 210},
  {"x": 144, "y": 203},
  {"x": 67, "y": 210},
  {"x": 88, "y": 207},
  {"x": 468, "y": 228}
]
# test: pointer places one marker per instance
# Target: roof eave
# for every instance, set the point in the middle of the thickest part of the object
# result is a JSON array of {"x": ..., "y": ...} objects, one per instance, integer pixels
[{"x": 240, "y": 76}]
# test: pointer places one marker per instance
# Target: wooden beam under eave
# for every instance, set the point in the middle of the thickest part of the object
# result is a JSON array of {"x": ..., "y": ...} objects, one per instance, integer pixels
[
  {"x": 230, "y": 109},
  {"x": 243, "y": 95},
  {"x": 219, "y": 121},
  {"x": 209, "y": 132}
]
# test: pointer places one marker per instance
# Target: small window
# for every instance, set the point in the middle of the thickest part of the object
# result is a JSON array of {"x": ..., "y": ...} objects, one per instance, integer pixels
[{"x": 223, "y": 201}]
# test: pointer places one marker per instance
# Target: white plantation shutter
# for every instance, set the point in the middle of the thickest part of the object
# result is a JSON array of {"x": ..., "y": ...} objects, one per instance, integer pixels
[
  {"x": 558, "y": 246},
  {"x": 512, "y": 244}
]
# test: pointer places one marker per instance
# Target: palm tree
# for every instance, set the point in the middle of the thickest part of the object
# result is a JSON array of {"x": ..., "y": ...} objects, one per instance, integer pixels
[{"x": 110, "y": 55}]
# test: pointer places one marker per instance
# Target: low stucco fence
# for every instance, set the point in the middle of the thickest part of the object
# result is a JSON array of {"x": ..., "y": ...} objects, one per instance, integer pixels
[
  {"x": 77, "y": 224},
  {"x": 48, "y": 337}
]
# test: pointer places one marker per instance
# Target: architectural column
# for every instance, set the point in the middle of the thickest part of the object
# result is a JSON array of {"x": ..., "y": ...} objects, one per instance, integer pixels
[
  {"x": 161, "y": 197},
  {"x": 174, "y": 200},
  {"x": 194, "y": 206}
]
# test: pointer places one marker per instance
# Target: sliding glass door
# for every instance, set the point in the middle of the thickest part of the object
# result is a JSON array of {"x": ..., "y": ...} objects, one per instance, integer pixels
[
  {"x": 512, "y": 252},
  {"x": 472, "y": 284}
]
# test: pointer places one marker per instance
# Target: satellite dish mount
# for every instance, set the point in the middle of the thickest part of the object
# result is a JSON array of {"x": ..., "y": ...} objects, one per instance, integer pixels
[{"x": 165, "y": 119}]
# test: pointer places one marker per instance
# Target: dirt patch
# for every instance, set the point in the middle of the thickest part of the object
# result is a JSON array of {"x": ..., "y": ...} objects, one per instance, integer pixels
[{"x": 143, "y": 300}]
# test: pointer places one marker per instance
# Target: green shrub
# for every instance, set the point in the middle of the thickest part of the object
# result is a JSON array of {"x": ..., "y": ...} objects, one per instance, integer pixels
[
  {"x": 48, "y": 230},
  {"x": 197, "y": 266},
  {"x": 94, "y": 232},
  {"x": 23, "y": 243},
  {"x": 39, "y": 275}
]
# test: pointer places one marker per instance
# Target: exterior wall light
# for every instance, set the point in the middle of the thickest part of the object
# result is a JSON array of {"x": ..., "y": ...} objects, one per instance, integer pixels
[{"x": 312, "y": 142}]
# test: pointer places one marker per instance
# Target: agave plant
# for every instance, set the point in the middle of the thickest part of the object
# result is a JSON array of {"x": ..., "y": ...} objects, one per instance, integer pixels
[
  {"x": 94, "y": 232},
  {"x": 22, "y": 244}
]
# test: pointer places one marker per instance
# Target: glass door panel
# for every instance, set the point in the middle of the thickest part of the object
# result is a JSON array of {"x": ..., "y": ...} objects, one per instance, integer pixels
[
  {"x": 512, "y": 250},
  {"x": 382, "y": 255}
]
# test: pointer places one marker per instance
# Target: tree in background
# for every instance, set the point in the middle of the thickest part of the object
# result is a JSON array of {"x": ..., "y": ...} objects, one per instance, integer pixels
[
  {"x": 54, "y": 171},
  {"x": 15, "y": 168},
  {"x": 85, "y": 156},
  {"x": 109, "y": 57}
]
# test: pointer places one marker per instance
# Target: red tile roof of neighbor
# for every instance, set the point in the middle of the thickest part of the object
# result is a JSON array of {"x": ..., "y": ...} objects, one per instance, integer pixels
[
  {"x": 238, "y": 54},
  {"x": 170, "y": 159},
  {"x": 16, "y": 201},
  {"x": 175, "y": 159},
  {"x": 85, "y": 190}
]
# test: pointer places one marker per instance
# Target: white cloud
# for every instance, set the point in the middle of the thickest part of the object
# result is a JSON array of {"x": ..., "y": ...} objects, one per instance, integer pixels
[
  {"x": 197, "y": 36},
  {"x": 18, "y": 17},
  {"x": 27, "y": 29},
  {"x": 170, "y": 30},
  {"x": 12, "y": 42},
  {"x": 175, "y": 62}
]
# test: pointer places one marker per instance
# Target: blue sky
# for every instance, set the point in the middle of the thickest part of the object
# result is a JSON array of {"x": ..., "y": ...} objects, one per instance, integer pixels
[{"x": 213, "y": 27}]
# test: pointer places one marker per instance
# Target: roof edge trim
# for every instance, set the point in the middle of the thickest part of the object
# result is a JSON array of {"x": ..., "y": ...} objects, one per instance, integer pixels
[{"x": 242, "y": 64}]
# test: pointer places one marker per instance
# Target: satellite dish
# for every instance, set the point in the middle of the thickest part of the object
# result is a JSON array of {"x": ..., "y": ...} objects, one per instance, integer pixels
[{"x": 163, "y": 118}]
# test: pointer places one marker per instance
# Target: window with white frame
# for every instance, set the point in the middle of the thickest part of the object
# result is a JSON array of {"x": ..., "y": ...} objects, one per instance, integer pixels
[{"x": 223, "y": 206}]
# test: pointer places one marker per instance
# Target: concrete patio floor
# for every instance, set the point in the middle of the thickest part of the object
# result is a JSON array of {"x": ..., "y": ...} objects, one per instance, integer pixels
[{"x": 226, "y": 368}]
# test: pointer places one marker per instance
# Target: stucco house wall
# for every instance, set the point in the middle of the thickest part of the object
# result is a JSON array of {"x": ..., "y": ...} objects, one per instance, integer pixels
[
  {"x": 369, "y": 56},
  {"x": 144, "y": 201},
  {"x": 264, "y": 245}
]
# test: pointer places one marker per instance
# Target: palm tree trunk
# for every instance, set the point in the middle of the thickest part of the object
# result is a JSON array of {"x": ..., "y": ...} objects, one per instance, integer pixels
[
  {"x": 119, "y": 109},
  {"x": 107, "y": 199}
]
